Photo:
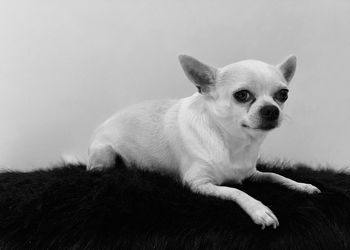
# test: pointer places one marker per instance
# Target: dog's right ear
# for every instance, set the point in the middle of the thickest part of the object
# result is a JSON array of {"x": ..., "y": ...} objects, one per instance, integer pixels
[{"x": 202, "y": 75}]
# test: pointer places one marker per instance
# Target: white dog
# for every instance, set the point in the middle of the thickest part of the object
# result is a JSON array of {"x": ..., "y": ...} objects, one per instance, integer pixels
[{"x": 210, "y": 137}]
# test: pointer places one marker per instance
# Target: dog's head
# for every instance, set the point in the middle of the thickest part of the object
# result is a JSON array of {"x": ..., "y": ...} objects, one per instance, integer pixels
[{"x": 247, "y": 95}]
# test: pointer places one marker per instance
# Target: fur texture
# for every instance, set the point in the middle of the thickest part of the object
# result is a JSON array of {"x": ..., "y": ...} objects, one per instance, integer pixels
[{"x": 67, "y": 207}]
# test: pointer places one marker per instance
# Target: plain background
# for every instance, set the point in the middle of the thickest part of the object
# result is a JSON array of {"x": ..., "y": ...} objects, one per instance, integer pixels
[{"x": 66, "y": 66}]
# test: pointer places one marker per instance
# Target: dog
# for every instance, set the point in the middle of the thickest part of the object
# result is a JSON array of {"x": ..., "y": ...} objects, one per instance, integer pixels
[{"x": 210, "y": 137}]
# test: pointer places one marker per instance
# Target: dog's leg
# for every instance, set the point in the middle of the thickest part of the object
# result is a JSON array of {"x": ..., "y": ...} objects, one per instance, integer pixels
[
  {"x": 257, "y": 211},
  {"x": 276, "y": 178},
  {"x": 101, "y": 156}
]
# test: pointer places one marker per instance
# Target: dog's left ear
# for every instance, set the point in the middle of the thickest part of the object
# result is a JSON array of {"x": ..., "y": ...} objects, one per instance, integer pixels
[{"x": 287, "y": 67}]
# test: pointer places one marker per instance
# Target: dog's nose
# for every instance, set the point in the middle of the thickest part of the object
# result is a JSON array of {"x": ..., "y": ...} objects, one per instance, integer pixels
[{"x": 269, "y": 113}]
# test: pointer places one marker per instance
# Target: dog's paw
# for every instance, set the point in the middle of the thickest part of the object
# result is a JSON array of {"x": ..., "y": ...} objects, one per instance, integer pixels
[
  {"x": 262, "y": 215},
  {"x": 308, "y": 188}
]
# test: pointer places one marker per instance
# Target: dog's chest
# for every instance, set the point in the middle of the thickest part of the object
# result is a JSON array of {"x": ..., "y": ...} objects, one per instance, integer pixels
[
  {"x": 236, "y": 172},
  {"x": 238, "y": 166}
]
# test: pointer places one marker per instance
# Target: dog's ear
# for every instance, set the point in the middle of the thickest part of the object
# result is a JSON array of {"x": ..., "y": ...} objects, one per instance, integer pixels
[
  {"x": 287, "y": 67},
  {"x": 202, "y": 75}
]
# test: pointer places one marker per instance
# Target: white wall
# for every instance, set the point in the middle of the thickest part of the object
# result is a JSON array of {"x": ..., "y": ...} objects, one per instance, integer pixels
[{"x": 65, "y": 66}]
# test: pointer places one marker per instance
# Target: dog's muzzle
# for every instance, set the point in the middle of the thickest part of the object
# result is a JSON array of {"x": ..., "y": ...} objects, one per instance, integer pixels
[{"x": 269, "y": 115}]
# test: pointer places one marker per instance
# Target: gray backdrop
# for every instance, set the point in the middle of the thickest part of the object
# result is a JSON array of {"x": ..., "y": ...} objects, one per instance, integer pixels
[{"x": 65, "y": 66}]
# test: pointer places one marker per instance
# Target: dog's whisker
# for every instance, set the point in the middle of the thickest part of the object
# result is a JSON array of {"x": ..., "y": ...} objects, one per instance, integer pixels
[{"x": 287, "y": 118}]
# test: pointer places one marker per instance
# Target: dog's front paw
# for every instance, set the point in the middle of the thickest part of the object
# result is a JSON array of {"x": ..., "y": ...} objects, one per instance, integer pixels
[
  {"x": 263, "y": 216},
  {"x": 308, "y": 188}
]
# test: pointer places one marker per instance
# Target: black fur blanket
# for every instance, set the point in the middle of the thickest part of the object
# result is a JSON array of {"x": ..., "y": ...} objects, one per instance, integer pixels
[{"x": 67, "y": 207}]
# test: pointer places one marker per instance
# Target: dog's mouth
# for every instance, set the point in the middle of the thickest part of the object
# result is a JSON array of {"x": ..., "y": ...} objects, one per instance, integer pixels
[
  {"x": 264, "y": 127},
  {"x": 245, "y": 126},
  {"x": 268, "y": 126}
]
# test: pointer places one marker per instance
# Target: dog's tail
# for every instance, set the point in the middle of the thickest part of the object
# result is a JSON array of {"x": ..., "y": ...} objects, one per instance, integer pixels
[{"x": 70, "y": 159}]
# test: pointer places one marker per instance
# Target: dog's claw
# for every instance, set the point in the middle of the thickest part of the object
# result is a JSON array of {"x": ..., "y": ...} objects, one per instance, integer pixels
[{"x": 263, "y": 216}]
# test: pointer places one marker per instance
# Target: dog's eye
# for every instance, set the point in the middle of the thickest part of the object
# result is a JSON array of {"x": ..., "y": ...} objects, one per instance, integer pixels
[
  {"x": 243, "y": 96},
  {"x": 281, "y": 95}
]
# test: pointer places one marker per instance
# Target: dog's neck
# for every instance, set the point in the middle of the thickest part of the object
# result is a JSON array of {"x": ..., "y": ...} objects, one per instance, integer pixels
[{"x": 233, "y": 147}]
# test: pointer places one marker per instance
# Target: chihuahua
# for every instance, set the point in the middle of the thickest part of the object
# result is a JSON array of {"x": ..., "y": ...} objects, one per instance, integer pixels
[{"x": 208, "y": 138}]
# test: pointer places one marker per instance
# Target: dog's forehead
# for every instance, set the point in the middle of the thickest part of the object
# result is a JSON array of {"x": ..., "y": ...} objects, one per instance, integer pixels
[{"x": 251, "y": 72}]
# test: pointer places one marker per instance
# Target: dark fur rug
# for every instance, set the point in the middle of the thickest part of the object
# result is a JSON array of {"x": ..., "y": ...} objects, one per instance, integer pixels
[{"x": 67, "y": 207}]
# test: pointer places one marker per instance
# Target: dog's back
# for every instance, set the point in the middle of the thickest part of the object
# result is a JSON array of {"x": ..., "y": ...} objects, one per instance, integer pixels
[{"x": 137, "y": 133}]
